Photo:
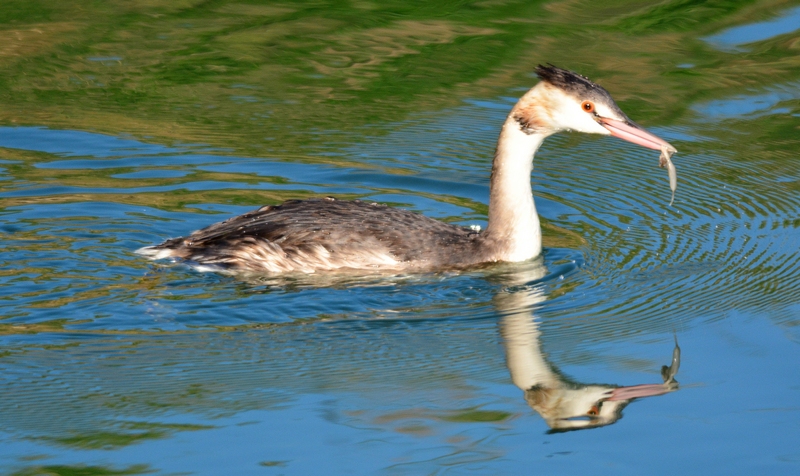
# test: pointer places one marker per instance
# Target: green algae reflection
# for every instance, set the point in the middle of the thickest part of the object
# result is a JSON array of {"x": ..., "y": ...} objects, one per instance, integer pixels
[
  {"x": 256, "y": 78},
  {"x": 81, "y": 470},
  {"x": 129, "y": 433}
]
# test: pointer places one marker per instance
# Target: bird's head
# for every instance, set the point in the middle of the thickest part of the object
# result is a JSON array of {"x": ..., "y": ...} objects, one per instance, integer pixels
[
  {"x": 574, "y": 407},
  {"x": 566, "y": 101}
]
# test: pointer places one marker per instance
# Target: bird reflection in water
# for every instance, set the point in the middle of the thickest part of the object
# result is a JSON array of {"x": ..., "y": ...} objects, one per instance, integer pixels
[{"x": 564, "y": 404}]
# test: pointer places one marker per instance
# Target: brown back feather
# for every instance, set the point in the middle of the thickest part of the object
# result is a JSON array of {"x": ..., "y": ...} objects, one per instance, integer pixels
[{"x": 343, "y": 228}]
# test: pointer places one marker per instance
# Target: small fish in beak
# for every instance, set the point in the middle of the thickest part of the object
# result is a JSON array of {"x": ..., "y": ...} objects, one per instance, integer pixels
[
  {"x": 654, "y": 389},
  {"x": 668, "y": 373},
  {"x": 633, "y": 133},
  {"x": 665, "y": 161}
]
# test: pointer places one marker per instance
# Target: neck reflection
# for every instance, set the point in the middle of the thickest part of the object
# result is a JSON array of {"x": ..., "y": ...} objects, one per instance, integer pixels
[{"x": 564, "y": 404}]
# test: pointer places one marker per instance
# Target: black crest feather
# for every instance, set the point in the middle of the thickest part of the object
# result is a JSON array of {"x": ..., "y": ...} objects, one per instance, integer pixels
[
  {"x": 566, "y": 79},
  {"x": 577, "y": 85}
]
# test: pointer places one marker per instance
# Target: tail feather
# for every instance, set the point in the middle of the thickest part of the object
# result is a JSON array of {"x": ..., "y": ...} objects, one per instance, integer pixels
[
  {"x": 168, "y": 249},
  {"x": 157, "y": 252}
]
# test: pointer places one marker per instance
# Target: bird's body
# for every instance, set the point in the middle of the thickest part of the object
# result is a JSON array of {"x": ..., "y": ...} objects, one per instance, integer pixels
[
  {"x": 327, "y": 234},
  {"x": 319, "y": 234}
]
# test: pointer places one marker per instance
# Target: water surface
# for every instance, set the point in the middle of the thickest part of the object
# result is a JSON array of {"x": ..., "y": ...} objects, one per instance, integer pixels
[{"x": 125, "y": 123}]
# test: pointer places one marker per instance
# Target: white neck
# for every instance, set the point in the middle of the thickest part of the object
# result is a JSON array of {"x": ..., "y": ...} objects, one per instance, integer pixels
[
  {"x": 556, "y": 399},
  {"x": 513, "y": 230},
  {"x": 521, "y": 333}
]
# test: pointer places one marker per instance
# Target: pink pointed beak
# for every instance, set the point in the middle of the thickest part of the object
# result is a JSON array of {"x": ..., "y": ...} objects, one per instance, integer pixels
[
  {"x": 638, "y": 391},
  {"x": 633, "y": 133}
]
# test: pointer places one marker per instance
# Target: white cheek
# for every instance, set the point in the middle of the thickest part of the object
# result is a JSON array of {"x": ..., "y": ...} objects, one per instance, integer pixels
[
  {"x": 598, "y": 129},
  {"x": 590, "y": 125},
  {"x": 581, "y": 121},
  {"x": 568, "y": 115}
]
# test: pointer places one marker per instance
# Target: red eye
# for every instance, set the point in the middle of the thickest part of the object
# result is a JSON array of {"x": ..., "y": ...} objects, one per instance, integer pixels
[{"x": 587, "y": 106}]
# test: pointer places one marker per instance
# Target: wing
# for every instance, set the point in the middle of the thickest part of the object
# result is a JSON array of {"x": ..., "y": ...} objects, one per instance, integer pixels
[{"x": 307, "y": 235}]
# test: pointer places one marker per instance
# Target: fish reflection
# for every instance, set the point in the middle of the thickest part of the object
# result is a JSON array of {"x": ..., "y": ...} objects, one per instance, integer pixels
[{"x": 564, "y": 404}]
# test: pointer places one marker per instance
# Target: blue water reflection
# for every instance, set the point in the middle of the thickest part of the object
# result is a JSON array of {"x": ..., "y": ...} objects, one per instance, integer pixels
[
  {"x": 757, "y": 103},
  {"x": 75, "y": 143},
  {"x": 734, "y": 38}
]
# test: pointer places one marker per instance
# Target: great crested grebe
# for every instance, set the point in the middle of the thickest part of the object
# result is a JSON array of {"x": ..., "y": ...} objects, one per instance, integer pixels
[{"x": 327, "y": 234}]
